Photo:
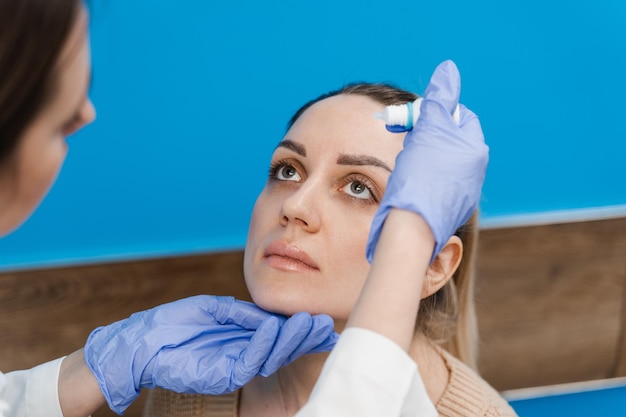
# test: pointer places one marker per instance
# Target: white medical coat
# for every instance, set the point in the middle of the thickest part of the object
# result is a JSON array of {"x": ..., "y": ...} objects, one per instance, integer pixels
[
  {"x": 368, "y": 375},
  {"x": 365, "y": 375},
  {"x": 31, "y": 393}
]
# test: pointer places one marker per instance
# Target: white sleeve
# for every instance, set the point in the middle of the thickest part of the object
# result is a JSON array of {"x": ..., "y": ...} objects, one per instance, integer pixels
[
  {"x": 32, "y": 392},
  {"x": 368, "y": 375}
]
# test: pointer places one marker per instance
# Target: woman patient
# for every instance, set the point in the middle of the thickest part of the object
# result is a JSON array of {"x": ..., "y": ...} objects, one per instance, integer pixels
[{"x": 306, "y": 252}]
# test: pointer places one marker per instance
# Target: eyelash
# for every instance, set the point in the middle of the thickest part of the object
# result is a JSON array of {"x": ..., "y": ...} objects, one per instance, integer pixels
[
  {"x": 373, "y": 190},
  {"x": 275, "y": 167}
]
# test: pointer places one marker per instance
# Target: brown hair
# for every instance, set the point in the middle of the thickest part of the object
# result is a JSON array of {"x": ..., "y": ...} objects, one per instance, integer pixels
[
  {"x": 32, "y": 36},
  {"x": 447, "y": 317}
]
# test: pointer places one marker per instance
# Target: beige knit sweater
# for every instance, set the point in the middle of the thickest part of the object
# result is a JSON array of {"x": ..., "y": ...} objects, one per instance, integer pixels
[{"x": 466, "y": 395}]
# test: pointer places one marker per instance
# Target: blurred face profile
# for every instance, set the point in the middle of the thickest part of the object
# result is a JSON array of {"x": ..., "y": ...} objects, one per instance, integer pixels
[
  {"x": 41, "y": 150},
  {"x": 306, "y": 242}
]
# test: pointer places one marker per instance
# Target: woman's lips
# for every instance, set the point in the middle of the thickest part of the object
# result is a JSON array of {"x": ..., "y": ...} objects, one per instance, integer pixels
[{"x": 288, "y": 257}]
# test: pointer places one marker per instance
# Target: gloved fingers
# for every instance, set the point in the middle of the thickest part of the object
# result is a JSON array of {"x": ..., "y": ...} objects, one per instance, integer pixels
[
  {"x": 441, "y": 97},
  {"x": 444, "y": 86},
  {"x": 254, "y": 356},
  {"x": 228, "y": 310},
  {"x": 206, "y": 364},
  {"x": 316, "y": 334},
  {"x": 249, "y": 315},
  {"x": 319, "y": 339},
  {"x": 291, "y": 335},
  {"x": 465, "y": 115},
  {"x": 327, "y": 344},
  {"x": 217, "y": 306},
  {"x": 472, "y": 131}
]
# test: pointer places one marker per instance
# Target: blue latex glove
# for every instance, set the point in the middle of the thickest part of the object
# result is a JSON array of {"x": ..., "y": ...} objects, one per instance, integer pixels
[
  {"x": 202, "y": 345},
  {"x": 441, "y": 169}
]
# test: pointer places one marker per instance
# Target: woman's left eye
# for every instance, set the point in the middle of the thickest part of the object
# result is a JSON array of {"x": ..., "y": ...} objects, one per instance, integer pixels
[
  {"x": 284, "y": 171},
  {"x": 358, "y": 189}
]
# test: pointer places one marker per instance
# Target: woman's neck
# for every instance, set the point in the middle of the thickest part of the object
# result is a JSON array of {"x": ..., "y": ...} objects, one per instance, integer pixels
[
  {"x": 296, "y": 381},
  {"x": 285, "y": 392}
]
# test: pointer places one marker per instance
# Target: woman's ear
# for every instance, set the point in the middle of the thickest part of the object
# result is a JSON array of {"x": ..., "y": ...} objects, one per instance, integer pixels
[{"x": 443, "y": 267}]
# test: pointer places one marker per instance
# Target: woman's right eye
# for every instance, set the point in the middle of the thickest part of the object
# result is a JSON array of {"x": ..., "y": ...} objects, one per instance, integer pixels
[{"x": 284, "y": 172}]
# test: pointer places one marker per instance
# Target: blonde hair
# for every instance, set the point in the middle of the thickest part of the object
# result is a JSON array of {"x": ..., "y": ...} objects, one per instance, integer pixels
[{"x": 447, "y": 317}]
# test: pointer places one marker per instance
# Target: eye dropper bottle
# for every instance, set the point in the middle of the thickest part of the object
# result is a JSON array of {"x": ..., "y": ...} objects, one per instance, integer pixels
[{"x": 402, "y": 117}]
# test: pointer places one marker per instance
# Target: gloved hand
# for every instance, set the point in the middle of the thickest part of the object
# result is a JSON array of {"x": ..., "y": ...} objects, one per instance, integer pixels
[
  {"x": 203, "y": 344},
  {"x": 441, "y": 169}
]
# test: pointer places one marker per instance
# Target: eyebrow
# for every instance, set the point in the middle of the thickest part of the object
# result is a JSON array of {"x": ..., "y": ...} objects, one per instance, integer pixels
[
  {"x": 291, "y": 145},
  {"x": 343, "y": 159},
  {"x": 359, "y": 160}
]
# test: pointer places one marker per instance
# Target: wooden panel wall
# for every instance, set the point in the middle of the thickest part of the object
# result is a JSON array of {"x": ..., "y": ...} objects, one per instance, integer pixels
[
  {"x": 551, "y": 302},
  {"x": 46, "y": 314}
]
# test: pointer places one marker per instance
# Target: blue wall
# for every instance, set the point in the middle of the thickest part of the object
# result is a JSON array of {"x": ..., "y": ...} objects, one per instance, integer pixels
[
  {"x": 192, "y": 96},
  {"x": 596, "y": 398}
]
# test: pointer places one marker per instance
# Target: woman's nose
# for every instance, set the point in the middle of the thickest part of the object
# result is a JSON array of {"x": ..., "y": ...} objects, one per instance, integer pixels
[
  {"x": 301, "y": 208},
  {"x": 87, "y": 112}
]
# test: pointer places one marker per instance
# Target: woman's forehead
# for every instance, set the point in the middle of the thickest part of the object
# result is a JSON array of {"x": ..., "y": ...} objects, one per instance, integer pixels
[
  {"x": 345, "y": 123},
  {"x": 343, "y": 106}
]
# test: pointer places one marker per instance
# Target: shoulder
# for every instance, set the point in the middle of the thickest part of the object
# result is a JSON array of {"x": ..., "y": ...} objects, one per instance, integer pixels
[
  {"x": 467, "y": 394},
  {"x": 163, "y": 403}
]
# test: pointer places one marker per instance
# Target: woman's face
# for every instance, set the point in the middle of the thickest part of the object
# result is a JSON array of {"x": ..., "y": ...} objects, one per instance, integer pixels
[
  {"x": 41, "y": 151},
  {"x": 309, "y": 227}
]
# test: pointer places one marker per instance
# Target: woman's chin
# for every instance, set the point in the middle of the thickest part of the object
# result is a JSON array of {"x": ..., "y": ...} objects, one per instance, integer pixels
[
  {"x": 279, "y": 307},
  {"x": 290, "y": 307}
]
